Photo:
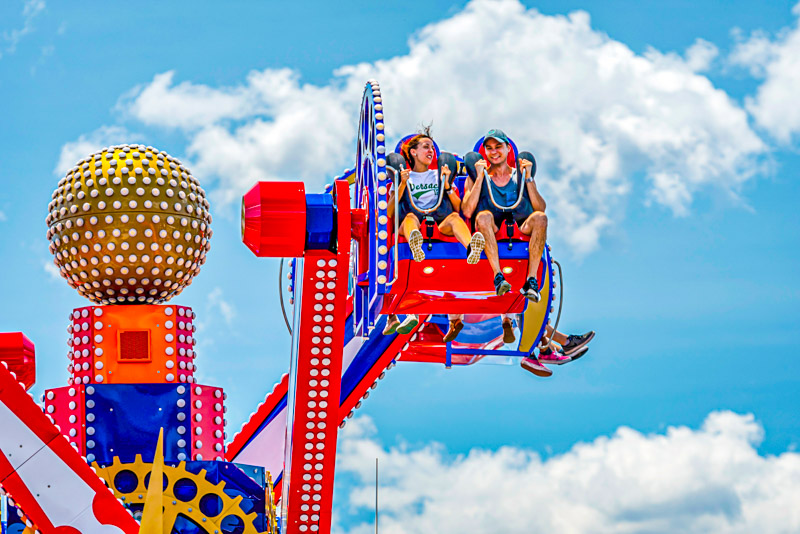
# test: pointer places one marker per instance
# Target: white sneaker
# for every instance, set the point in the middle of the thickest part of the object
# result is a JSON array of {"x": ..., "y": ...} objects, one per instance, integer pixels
[
  {"x": 408, "y": 324},
  {"x": 476, "y": 246},
  {"x": 415, "y": 243}
]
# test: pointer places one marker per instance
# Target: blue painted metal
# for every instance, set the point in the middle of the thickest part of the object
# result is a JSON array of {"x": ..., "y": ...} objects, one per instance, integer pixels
[
  {"x": 369, "y": 353},
  {"x": 272, "y": 415},
  {"x": 442, "y": 250},
  {"x": 124, "y": 420},
  {"x": 247, "y": 482},
  {"x": 320, "y": 217},
  {"x": 370, "y": 168},
  {"x": 548, "y": 272}
]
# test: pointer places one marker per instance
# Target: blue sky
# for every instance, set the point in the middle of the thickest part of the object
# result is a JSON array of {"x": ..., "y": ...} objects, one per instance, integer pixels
[{"x": 666, "y": 136}]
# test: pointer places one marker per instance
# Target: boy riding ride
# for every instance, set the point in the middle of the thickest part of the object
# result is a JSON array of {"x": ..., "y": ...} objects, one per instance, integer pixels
[{"x": 493, "y": 195}]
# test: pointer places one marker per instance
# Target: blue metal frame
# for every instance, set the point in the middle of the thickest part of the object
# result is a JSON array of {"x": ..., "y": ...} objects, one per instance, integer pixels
[{"x": 371, "y": 189}]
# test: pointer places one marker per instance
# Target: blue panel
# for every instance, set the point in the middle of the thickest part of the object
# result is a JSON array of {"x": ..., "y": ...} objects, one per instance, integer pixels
[
  {"x": 443, "y": 250},
  {"x": 320, "y": 217},
  {"x": 240, "y": 480},
  {"x": 372, "y": 349},
  {"x": 128, "y": 417},
  {"x": 480, "y": 332},
  {"x": 349, "y": 329},
  {"x": 275, "y": 411},
  {"x": 237, "y": 483},
  {"x": 11, "y": 524}
]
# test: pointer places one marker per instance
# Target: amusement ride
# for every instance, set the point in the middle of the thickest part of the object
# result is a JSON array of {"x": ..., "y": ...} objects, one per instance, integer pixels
[{"x": 129, "y": 227}]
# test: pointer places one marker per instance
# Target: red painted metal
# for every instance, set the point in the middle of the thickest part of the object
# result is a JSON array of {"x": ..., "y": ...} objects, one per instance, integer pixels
[
  {"x": 97, "y": 337},
  {"x": 274, "y": 219},
  {"x": 209, "y": 404},
  {"x": 400, "y": 343},
  {"x": 67, "y": 406},
  {"x": 257, "y": 419},
  {"x": 19, "y": 354},
  {"x": 38, "y": 467},
  {"x": 453, "y": 286},
  {"x": 308, "y": 477}
]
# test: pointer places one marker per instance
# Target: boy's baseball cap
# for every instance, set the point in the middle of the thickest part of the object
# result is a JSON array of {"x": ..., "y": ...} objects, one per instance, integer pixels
[{"x": 499, "y": 135}]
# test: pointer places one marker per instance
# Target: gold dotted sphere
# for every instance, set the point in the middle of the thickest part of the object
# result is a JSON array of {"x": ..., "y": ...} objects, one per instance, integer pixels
[{"x": 129, "y": 224}]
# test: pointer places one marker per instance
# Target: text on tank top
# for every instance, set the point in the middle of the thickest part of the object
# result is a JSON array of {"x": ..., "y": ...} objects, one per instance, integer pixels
[{"x": 423, "y": 188}]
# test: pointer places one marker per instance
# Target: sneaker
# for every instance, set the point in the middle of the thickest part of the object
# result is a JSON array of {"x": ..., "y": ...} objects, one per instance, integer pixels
[
  {"x": 579, "y": 353},
  {"x": 392, "y": 322},
  {"x": 408, "y": 324},
  {"x": 531, "y": 289},
  {"x": 501, "y": 286},
  {"x": 415, "y": 243},
  {"x": 476, "y": 245},
  {"x": 556, "y": 357},
  {"x": 530, "y": 363},
  {"x": 575, "y": 343},
  {"x": 508, "y": 332},
  {"x": 452, "y": 333}
]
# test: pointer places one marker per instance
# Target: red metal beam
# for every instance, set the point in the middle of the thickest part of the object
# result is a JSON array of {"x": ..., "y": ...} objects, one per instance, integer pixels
[
  {"x": 309, "y": 474},
  {"x": 47, "y": 478}
]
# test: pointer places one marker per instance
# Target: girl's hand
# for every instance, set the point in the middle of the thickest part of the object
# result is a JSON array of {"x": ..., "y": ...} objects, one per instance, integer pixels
[
  {"x": 404, "y": 174},
  {"x": 446, "y": 175}
]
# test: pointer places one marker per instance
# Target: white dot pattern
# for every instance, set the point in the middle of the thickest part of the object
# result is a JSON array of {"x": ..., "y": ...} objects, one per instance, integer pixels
[{"x": 155, "y": 265}]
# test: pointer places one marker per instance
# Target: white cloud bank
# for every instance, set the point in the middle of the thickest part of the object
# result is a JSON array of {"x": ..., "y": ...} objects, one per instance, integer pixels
[
  {"x": 74, "y": 151},
  {"x": 710, "y": 480},
  {"x": 11, "y": 38},
  {"x": 596, "y": 114},
  {"x": 777, "y": 60}
]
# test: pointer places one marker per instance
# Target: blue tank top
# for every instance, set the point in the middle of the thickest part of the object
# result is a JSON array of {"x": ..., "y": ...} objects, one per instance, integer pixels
[{"x": 504, "y": 196}]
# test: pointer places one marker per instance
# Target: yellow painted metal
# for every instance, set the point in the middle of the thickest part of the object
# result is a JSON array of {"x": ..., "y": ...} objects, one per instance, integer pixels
[
  {"x": 272, "y": 510},
  {"x": 534, "y": 316},
  {"x": 173, "y": 506},
  {"x": 153, "y": 513}
]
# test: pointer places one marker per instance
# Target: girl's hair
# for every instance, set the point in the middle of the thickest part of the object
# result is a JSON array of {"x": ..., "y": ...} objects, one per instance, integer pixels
[{"x": 423, "y": 133}]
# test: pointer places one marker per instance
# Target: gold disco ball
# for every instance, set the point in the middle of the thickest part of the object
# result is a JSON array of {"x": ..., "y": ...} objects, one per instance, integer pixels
[{"x": 129, "y": 224}]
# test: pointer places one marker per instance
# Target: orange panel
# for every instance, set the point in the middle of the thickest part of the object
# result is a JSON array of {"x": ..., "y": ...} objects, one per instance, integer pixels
[{"x": 134, "y": 344}]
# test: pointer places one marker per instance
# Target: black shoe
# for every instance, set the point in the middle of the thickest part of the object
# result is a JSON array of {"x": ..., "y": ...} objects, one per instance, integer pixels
[
  {"x": 531, "y": 289},
  {"x": 575, "y": 343},
  {"x": 501, "y": 286}
]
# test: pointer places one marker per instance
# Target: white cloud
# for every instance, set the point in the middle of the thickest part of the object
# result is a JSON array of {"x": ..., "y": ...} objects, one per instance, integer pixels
[
  {"x": 216, "y": 309},
  {"x": 216, "y": 303},
  {"x": 30, "y": 11},
  {"x": 74, "y": 151},
  {"x": 710, "y": 480},
  {"x": 186, "y": 105},
  {"x": 701, "y": 55},
  {"x": 595, "y": 113},
  {"x": 52, "y": 271},
  {"x": 774, "y": 105},
  {"x": 3, "y": 217}
]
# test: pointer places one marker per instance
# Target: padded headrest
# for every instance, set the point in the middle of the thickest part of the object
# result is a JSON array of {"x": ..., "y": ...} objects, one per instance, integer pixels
[
  {"x": 403, "y": 143},
  {"x": 512, "y": 154}
]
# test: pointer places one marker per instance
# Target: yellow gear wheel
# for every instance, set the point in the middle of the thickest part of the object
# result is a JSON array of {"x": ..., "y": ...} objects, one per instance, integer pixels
[{"x": 130, "y": 477}]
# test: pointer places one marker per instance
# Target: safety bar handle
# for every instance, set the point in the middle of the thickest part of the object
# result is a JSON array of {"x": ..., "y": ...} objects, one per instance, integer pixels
[{"x": 521, "y": 189}]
